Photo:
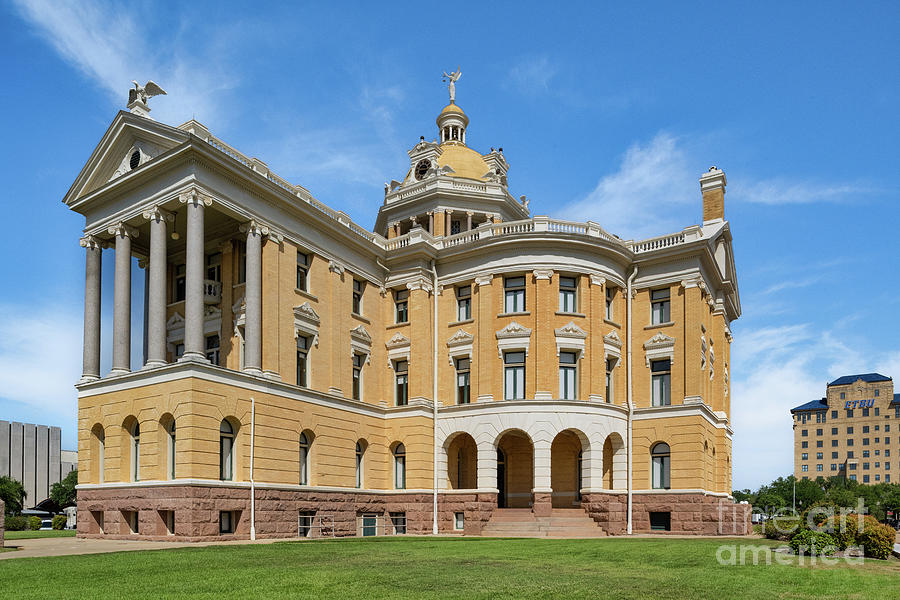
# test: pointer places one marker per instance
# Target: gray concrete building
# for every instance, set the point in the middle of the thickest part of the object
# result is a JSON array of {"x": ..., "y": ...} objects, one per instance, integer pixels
[{"x": 33, "y": 455}]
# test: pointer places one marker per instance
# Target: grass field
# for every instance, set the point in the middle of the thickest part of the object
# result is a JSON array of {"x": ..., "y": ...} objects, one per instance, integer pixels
[
  {"x": 28, "y": 535},
  {"x": 443, "y": 568}
]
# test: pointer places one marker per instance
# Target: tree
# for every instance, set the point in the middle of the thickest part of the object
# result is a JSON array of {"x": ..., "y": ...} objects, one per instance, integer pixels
[
  {"x": 12, "y": 492},
  {"x": 63, "y": 493}
]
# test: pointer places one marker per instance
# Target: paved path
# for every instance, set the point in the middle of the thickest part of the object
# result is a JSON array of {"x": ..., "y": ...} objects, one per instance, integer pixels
[{"x": 67, "y": 546}]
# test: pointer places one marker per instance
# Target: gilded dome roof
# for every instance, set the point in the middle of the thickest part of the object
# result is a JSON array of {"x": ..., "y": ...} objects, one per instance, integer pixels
[
  {"x": 464, "y": 161},
  {"x": 451, "y": 109}
]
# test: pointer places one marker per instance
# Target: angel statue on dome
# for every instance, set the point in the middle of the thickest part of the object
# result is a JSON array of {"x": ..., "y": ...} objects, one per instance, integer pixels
[{"x": 451, "y": 80}]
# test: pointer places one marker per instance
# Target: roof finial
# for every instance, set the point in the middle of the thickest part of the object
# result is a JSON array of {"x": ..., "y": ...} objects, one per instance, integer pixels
[
  {"x": 451, "y": 80},
  {"x": 137, "y": 97}
]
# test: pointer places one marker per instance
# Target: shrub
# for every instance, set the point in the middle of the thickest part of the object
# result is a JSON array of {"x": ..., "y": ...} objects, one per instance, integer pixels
[
  {"x": 34, "y": 523},
  {"x": 812, "y": 542},
  {"x": 16, "y": 523},
  {"x": 782, "y": 528},
  {"x": 820, "y": 511},
  {"x": 842, "y": 528},
  {"x": 59, "y": 522},
  {"x": 877, "y": 540}
]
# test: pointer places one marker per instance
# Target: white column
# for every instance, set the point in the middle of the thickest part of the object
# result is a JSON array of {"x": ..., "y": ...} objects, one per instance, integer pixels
[
  {"x": 469, "y": 220},
  {"x": 431, "y": 222},
  {"x": 194, "y": 342},
  {"x": 449, "y": 222},
  {"x": 487, "y": 465},
  {"x": 121, "y": 362},
  {"x": 542, "y": 466},
  {"x": 91, "y": 363},
  {"x": 253, "y": 299},
  {"x": 156, "y": 288}
]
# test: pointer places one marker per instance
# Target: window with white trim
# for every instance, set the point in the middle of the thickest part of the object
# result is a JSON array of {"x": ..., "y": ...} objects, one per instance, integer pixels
[
  {"x": 610, "y": 383},
  {"x": 610, "y": 298},
  {"x": 568, "y": 290},
  {"x": 303, "y": 360},
  {"x": 401, "y": 306},
  {"x": 226, "y": 451},
  {"x": 358, "y": 361},
  {"x": 660, "y": 456},
  {"x": 660, "y": 312},
  {"x": 305, "y": 445},
  {"x": 400, "y": 467},
  {"x": 401, "y": 382},
  {"x": 463, "y": 389},
  {"x": 514, "y": 291},
  {"x": 514, "y": 375},
  {"x": 661, "y": 382},
  {"x": 302, "y": 271},
  {"x": 464, "y": 303},
  {"x": 568, "y": 375},
  {"x": 358, "y": 288},
  {"x": 212, "y": 348}
]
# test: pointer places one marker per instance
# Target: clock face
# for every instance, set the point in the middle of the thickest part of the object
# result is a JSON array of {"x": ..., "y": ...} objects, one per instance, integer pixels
[{"x": 422, "y": 168}]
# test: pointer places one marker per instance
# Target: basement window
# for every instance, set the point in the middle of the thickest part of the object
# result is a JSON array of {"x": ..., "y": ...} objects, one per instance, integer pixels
[{"x": 660, "y": 521}]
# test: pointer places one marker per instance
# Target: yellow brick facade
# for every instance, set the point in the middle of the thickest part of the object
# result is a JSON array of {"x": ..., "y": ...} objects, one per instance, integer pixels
[{"x": 522, "y": 440}]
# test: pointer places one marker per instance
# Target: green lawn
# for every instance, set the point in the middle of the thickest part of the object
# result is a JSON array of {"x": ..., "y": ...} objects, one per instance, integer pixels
[
  {"x": 442, "y": 568},
  {"x": 27, "y": 535}
]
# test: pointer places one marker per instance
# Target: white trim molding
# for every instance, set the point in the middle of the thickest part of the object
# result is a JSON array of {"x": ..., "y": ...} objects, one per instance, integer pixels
[
  {"x": 460, "y": 345},
  {"x": 360, "y": 342},
  {"x": 513, "y": 337},
  {"x": 570, "y": 337},
  {"x": 397, "y": 348},
  {"x": 659, "y": 346},
  {"x": 306, "y": 321}
]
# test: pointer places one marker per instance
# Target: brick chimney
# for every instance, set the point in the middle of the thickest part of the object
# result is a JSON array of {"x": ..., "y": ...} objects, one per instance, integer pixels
[{"x": 712, "y": 186}]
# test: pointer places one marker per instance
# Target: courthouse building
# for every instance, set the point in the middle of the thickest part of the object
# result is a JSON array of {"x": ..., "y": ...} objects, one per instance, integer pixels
[
  {"x": 848, "y": 433},
  {"x": 463, "y": 363}
]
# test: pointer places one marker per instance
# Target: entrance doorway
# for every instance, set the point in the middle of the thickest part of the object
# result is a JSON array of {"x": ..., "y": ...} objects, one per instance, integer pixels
[
  {"x": 501, "y": 479},
  {"x": 515, "y": 470}
]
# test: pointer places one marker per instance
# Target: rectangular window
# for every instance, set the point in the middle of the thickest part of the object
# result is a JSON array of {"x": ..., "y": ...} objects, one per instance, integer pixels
[
  {"x": 132, "y": 517},
  {"x": 610, "y": 365},
  {"x": 865, "y": 429},
  {"x": 568, "y": 287},
  {"x": 401, "y": 306},
  {"x": 358, "y": 360},
  {"x": 804, "y": 444},
  {"x": 819, "y": 431},
  {"x": 849, "y": 431},
  {"x": 834, "y": 414},
  {"x": 212, "y": 349},
  {"x": 462, "y": 380},
  {"x": 819, "y": 468},
  {"x": 398, "y": 521},
  {"x": 850, "y": 454},
  {"x": 865, "y": 441},
  {"x": 843, "y": 395},
  {"x": 853, "y": 478},
  {"x": 568, "y": 372},
  {"x": 850, "y": 441},
  {"x": 834, "y": 455},
  {"x": 226, "y": 522},
  {"x": 661, "y": 382},
  {"x": 515, "y": 294},
  {"x": 804, "y": 456},
  {"x": 168, "y": 518},
  {"x": 302, "y": 271},
  {"x": 401, "y": 378},
  {"x": 610, "y": 297},
  {"x": 819, "y": 455},
  {"x": 876, "y": 411},
  {"x": 877, "y": 393},
  {"x": 850, "y": 414},
  {"x": 302, "y": 360},
  {"x": 833, "y": 467},
  {"x": 865, "y": 479},
  {"x": 818, "y": 443},
  {"x": 834, "y": 431},
  {"x": 514, "y": 376},
  {"x": 834, "y": 443},
  {"x": 865, "y": 412},
  {"x": 464, "y": 303},
  {"x": 659, "y": 306},
  {"x": 180, "y": 283},
  {"x": 455, "y": 227},
  {"x": 358, "y": 288},
  {"x": 804, "y": 432},
  {"x": 660, "y": 521},
  {"x": 214, "y": 266},
  {"x": 804, "y": 468},
  {"x": 459, "y": 521}
]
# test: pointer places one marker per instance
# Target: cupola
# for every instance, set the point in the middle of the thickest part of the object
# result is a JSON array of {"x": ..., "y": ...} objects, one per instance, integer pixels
[{"x": 452, "y": 124}]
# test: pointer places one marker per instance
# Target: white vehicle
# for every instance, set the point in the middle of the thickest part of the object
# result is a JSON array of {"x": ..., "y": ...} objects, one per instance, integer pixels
[{"x": 46, "y": 525}]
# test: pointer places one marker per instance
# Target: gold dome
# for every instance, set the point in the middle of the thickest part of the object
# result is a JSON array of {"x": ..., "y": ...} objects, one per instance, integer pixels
[
  {"x": 452, "y": 109},
  {"x": 464, "y": 161}
]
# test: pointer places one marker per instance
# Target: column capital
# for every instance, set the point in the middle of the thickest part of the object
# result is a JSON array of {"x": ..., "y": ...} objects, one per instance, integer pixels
[
  {"x": 92, "y": 243},
  {"x": 597, "y": 279},
  {"x": 254, "y": 227},
  {"x": 157, "y": 213},
  {"x": 485, "y": 279},
  {"x": 470, "y": 213},
  {"x": 195, "y": 197},
  {"x": 543, "y": 274},
  {"x": 123, "y": 230}
]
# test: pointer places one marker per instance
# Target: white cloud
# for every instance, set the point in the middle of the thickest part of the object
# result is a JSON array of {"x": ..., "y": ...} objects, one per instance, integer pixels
[
  {"x": 779, "y": 191},
  {"x": 109, "y": 46},
  {"x": 532, "y": 75},
  {"x": 40, "y": 354},
  {"x": 653, "y": 192}
]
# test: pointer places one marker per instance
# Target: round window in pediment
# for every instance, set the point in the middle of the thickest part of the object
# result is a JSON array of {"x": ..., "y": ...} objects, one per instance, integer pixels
[
  {"x": 135, "y": 159},
  {"x": 422, "y": 168}
]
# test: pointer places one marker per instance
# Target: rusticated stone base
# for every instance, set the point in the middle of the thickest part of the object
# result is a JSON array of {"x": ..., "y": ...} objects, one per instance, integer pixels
[
  {"x": 692, "y": 514},
  {"x": 106, "y": 512}
]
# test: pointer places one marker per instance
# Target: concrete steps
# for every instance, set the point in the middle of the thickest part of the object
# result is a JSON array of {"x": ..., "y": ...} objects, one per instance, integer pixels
[{"x": 562, "y": 523}]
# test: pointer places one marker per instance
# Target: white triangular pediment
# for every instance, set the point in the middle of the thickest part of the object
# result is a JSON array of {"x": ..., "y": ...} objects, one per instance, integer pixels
[
  {"x": 612, "y": 338},
  {"x": 571, "y": 330},
  {"x": 460, "y": 338},
  {"x": 307, "y": 313},
  {"x": 513, "y": 330},
  {"x": 175, "y": 321},
  {"x": 660, "y": 340},
  {"x": 359, "y": 333},
  {"x": 111, "y": 158},
  {"x": 397, "y": 341}
]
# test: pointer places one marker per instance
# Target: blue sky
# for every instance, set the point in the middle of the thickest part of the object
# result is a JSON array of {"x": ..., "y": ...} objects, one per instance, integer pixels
[{"x": 605, "y": 112}]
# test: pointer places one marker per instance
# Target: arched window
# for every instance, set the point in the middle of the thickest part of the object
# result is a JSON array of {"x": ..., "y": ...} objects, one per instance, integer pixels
[
  {"x": 136, "y": 452},
  {"x": 170, "y": 430},
  {"x": 100, "y": 447},
  {"x": 360, "y": 455},
  {"x": 660, "y": 465},
  {"x": 304, "y": 458},
  {"x": 400, "y": 467},
  {"x": 226, "y": 451}
]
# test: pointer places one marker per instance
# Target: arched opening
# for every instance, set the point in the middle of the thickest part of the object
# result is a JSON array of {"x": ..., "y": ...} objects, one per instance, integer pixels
[
  {"x": 167, "y": 448},
  {"x": 361, "y": 446},
  {"x": 565, "y": 469},
  {"x": 98, "y": 453},
  {"x": 462, "y": 462},
  {"x": 660, "y": 466},
  {"x": 227, "y": 433},
  {"x": 614, "y": 462},
  {"x": 398, "y": 451},
  {"x": 133, "y": 449},
  {"x": 515, "y": 477},
  {"x": 306, "y": 442}
]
